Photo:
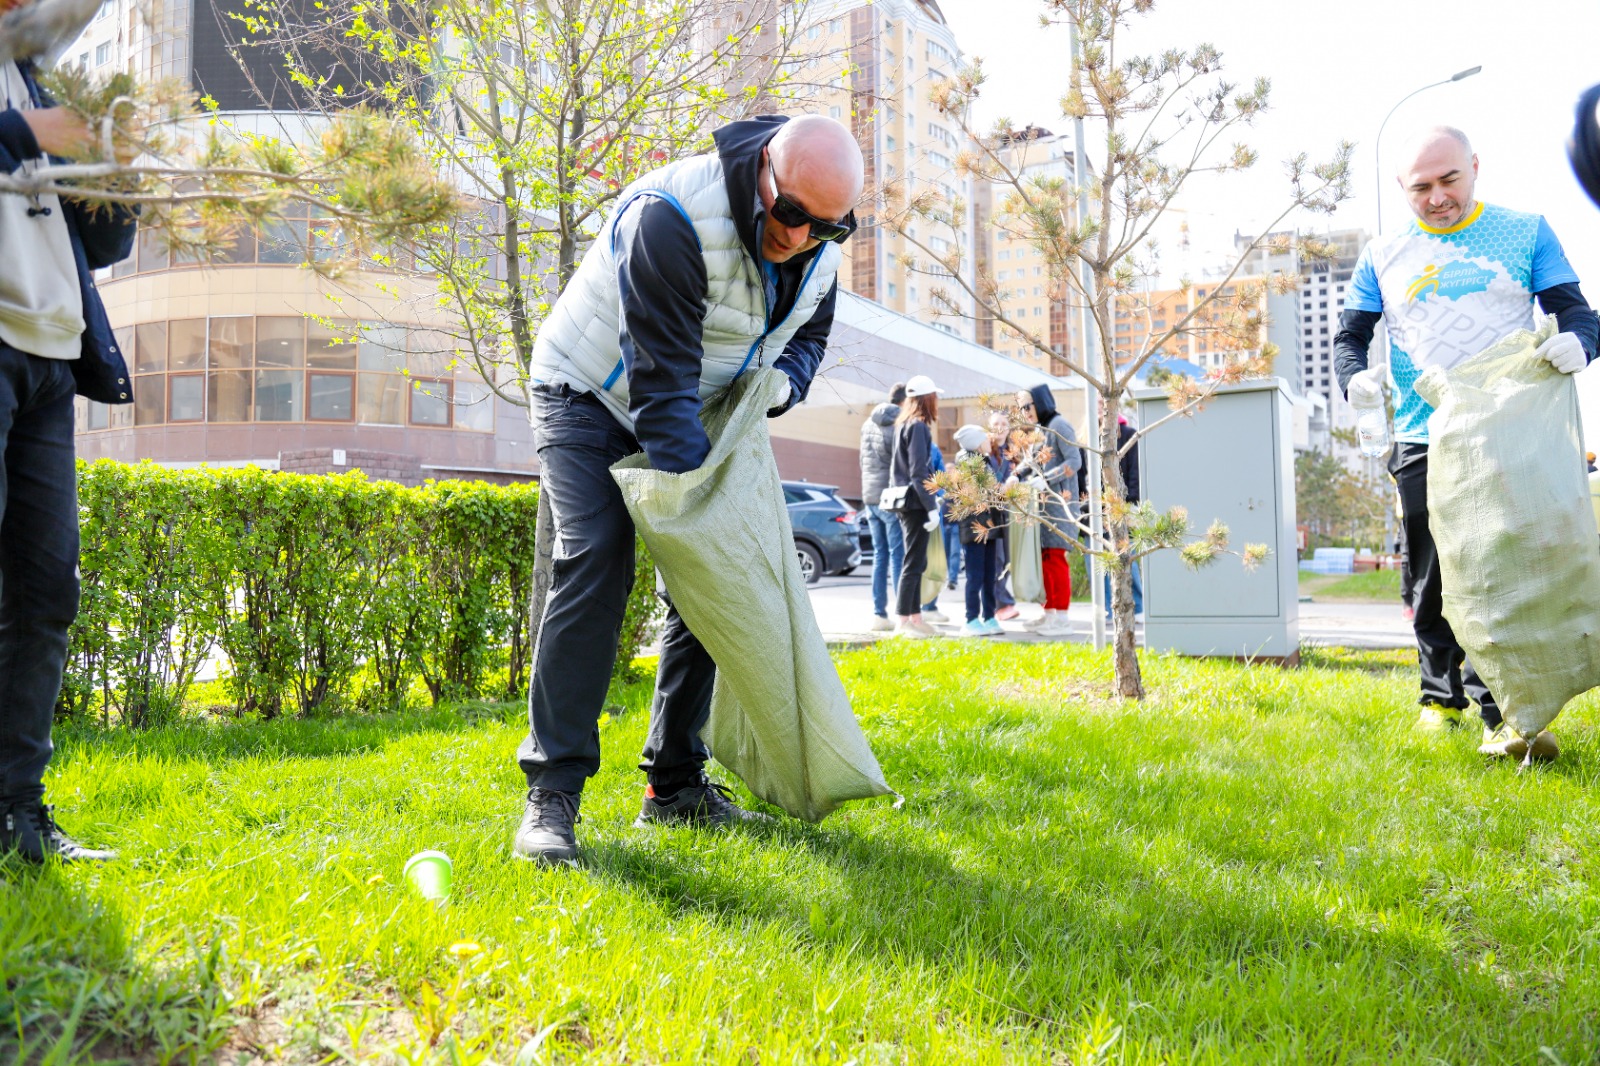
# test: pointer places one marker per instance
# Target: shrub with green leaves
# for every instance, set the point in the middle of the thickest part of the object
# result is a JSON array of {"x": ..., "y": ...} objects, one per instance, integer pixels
[{"x": 318, "y": 593}]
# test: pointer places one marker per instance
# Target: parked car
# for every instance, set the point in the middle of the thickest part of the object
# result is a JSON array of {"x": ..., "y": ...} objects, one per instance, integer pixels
[
  {"x": 825, "y": 532},
  {"x": 864, "y": 532}
]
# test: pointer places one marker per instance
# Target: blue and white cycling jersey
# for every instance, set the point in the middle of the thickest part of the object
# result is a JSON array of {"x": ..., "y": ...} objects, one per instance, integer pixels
[{"x": 1447, "y": 294}]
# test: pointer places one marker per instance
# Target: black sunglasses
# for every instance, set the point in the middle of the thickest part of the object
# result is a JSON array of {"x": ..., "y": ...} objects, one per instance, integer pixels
[{"x": 791, "y": 214}]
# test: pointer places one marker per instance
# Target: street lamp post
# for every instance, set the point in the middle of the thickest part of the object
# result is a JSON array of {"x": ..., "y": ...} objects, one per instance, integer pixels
[{"x": 1376, "y": 161}]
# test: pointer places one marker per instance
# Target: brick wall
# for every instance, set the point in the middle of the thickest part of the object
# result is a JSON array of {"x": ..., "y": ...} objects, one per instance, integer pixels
[{"x": 380, "y": 466}]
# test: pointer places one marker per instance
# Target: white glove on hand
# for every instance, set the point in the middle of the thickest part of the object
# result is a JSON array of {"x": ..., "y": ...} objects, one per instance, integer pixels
[
  {"x": 1367, "y": 387},
  {"x": 933, "y": 521},
  {"x": 1564, "y": 352},
  {"x": 785, "y": 392},
  {"x": 1038, "y": 484}
]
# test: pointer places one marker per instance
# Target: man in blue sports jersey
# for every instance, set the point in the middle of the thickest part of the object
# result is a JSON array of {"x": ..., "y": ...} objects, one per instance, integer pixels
[{"x": 1461, "y": 276}]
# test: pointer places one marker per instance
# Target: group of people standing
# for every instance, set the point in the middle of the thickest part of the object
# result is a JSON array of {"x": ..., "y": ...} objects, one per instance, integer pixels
[{"x": 1030, "y": 443}]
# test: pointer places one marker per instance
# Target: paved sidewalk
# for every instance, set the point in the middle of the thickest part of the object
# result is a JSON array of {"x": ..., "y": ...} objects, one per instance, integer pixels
[{"x": 844, "y": 611}]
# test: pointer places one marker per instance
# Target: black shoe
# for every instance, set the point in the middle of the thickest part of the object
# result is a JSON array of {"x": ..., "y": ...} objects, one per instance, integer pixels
[
  {"x": 546, "y": 834},
  {"x": 29, "y": 830},
  {"x": 705, "y": 804}
]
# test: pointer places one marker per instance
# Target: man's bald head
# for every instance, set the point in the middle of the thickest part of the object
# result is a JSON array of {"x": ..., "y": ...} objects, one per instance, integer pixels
[
  {"x": 815, "y": 163},
  {"x": 1438, "y": 172}
]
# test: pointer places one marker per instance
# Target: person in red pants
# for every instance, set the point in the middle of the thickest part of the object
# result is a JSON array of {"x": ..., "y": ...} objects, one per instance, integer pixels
[{"x": 1051, "y": 466}]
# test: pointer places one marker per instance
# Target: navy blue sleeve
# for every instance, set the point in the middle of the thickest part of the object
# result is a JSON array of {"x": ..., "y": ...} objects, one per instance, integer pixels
[
  {"x": 919, "y": 461},
  {"x": 17, "y": 143},
  {"x": 1350, "y": 344},
  {"x": 106, "y": 231},
  {"x": 802, "y": 356},
  {"x": 1573, "y": 314},
  {"x": 661, "y": 283}
]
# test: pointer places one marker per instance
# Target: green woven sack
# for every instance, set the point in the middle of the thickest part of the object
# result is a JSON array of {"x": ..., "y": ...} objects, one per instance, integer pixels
[
  {"x": 1508, "y": 504},
  {"x": 720, "y": 535}
]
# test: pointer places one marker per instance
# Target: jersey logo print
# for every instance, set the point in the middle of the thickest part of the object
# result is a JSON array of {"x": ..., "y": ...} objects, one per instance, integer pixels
[{"x": 1452, "y": 282}]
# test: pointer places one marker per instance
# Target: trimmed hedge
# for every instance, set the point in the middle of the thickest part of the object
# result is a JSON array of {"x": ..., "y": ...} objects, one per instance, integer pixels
[{"x": 317, "y": 592}]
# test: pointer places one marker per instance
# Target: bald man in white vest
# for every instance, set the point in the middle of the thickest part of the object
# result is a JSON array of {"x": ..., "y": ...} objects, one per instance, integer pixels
[{"x": 707, "y": 268}]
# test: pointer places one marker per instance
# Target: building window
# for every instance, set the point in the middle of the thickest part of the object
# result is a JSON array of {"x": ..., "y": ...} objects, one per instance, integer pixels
[
  {"x": 331, "y": 397},
  {"x": 102, "y": 54},
  {"x": 834, "y": 112}
]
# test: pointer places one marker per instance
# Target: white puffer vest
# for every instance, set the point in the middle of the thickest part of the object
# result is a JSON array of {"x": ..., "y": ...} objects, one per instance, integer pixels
[{"x": 579, "y": 343}]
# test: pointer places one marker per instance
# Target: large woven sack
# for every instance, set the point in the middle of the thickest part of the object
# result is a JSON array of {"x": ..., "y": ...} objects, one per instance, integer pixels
[
  {"x": 937, "y": 570},
  {"x": 720, "y": 535},
  {"x": 1508, "y": 504},
  {"x": 1022, "y": 548}
]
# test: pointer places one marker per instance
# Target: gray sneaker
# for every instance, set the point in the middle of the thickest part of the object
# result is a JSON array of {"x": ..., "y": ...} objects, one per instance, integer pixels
[
  {"x": 29, "y": 831},
  {"x": 546, "y": 833},
  {"x": 704, "y": 804}
]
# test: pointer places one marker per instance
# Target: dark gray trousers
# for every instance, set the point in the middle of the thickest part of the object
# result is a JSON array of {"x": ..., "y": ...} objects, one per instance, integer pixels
[
  {"x": 38, "y": 562},
  {"x": 1447, "y": 676},
  {"x": 578, "y": 440}
]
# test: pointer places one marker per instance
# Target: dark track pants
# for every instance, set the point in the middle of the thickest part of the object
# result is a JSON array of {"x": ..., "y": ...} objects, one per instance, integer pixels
[
  {"x": 578, "y": 440},
  {"x": 1447, "y": 677}
]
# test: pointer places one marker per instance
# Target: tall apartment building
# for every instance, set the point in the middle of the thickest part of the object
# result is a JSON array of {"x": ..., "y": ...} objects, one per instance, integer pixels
[
  {"x": 874, "y": 66},
  {"x": 228, "y": 367},
  {"x": 1046, "y": 309},
  {"x": 1323, "y": 284},
  {"x": 1207, "y": 343}
]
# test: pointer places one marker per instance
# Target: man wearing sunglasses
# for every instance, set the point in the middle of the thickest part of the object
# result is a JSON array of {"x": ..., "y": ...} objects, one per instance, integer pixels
[{"x": 707, "y": 268}]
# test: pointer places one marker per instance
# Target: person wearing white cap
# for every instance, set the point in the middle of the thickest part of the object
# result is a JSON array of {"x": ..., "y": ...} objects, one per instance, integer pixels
[
  {"x": 981, "y": 535},
  {"x": 912, "y": 466}
]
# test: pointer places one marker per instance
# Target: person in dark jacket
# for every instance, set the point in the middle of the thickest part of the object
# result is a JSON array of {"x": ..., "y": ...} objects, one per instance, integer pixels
[
  {"x": 1052, "y": 463},
  {"x": 1129, "y": 464},
  {"x": 981, "y": 534},
  {"x": 999, "y": 447},
  {"x": 912, "y": 467},
  {"x": 709, "y": 266},
  {"x": 888, "y": 546},
  {"x": 55, "y": 341}
]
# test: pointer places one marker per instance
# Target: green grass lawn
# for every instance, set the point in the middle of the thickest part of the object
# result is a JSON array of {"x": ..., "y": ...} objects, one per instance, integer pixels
[
  {"x": 1380, "y": 586},
  {"x": 1256, "y": 865}
]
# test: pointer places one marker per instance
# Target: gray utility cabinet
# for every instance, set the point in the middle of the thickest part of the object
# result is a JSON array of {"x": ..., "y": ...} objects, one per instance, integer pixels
[{"x": 1233, "y": 460}]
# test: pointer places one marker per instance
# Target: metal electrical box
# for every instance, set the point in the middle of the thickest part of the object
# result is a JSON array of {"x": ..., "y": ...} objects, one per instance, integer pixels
[{"x": 1232, "y": 460}]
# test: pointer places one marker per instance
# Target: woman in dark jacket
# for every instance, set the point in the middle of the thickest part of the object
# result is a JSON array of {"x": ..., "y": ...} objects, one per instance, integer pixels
[
  {"x": 912, "y": 466},
  {"x": 981, "y": 533}
]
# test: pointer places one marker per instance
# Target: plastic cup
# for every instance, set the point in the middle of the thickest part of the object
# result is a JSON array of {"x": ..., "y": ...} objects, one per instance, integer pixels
[{"x": 430, "y": 873}]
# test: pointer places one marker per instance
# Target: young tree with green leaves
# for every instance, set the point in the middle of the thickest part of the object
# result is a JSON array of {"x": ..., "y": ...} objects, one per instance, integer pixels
[{"x": 1153, "y": 123}]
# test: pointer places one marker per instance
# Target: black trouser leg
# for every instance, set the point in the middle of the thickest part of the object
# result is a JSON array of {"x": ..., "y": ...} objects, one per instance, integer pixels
[
  {"x": 674, "y": 754},
  {"x": 38, "y": 562},
  {"x": 1447, "y": 677},
  {"x": 578, "y": 440},
  {"x": 908, "y": 596}
]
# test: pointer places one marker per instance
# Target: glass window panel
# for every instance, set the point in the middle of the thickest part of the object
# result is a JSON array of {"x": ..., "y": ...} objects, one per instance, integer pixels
[
  {"x": 232, "y": 340},
  {"x": 383, "y": 347},
  {"x": 328, "y": 240},
  {"x": 280, "y": 341},
  {"x": 80, "y": 414},
  {"x": 186, "y": 344},
  {"x": 121, "y": 415},
  {"x": 241, "y": 249},
  {"x": 99, "y": 416},
  {"x": 432, "y": 352},
  {"x": 149, "y": 347},
  {"x": 474, "y": 406},
  {"x": 381, "y": 399},
  {"x": 150, "y": 400},
  {"x": 125, "y": 266},
  {"x": 152, "y": 250},
  {"x": 331, "y": 347},
  {"x": 330, "y": 397},
  {"x": 228, "y": 395},
  {"x": 430, "y": 403},
  {"x": 283, "y": 241},
  {"x": 186, "y": 397},
  {"x": 278, "y": 395}
]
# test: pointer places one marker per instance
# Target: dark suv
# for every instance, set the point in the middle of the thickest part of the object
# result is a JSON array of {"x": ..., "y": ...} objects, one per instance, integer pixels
[{"x": 824, "y": 529}]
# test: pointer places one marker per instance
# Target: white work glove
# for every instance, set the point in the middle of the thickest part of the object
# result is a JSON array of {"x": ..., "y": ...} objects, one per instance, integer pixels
[
  {"x": 1038, "y": 484},
  {"x": 1367, "y": 388},
  {"x": 1564, "y": 352},
  {"x": 785, "y": 392},
  {"x": 933, "y": 521}
]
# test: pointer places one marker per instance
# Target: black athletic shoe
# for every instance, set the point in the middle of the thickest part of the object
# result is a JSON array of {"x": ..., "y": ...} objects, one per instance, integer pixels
[
  {"x": 704, "y": 804},
  {"x": 29, "y": 831},
  {"x": 546, "y": 833}
]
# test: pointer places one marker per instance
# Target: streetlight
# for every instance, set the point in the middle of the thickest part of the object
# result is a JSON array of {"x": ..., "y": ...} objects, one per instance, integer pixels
[{"x": 1377, "y": 163}]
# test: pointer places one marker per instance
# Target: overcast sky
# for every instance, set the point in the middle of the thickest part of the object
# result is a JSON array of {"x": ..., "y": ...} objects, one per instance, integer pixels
[{"x": 1336, "y": 70}]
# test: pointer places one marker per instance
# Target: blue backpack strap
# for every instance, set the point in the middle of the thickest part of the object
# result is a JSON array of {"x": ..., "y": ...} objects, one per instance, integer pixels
[{"x": 616, "y": 371}]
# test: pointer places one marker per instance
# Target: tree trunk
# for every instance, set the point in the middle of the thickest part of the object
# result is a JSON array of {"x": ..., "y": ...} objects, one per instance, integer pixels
[{"x": 1128, "y": 680}]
